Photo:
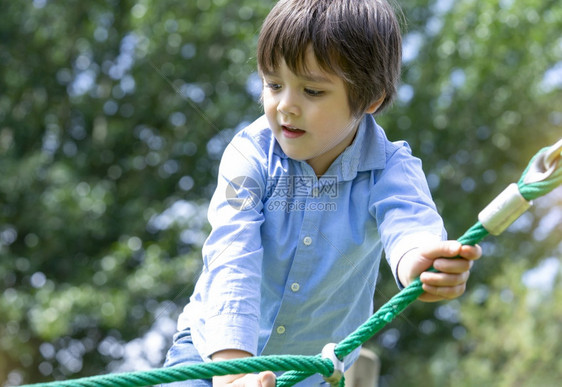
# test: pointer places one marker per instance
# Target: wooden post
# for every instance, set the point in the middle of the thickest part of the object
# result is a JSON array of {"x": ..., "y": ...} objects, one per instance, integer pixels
[{"x": 365, "y": 371}]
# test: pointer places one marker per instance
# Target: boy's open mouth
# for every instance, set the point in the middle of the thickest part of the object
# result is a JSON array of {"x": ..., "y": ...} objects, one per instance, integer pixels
[{"x": 292, "y": 129}]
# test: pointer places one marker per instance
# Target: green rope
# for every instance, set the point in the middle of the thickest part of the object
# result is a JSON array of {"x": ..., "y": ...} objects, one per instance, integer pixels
[
  {"x": 309, "y": 364},
  {"x": 299, "y": 368},
  {"x": 532, "y": 191}
]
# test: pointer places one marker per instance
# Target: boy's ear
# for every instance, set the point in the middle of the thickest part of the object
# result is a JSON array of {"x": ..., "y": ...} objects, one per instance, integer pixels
[{"x": 375, "y": 105}]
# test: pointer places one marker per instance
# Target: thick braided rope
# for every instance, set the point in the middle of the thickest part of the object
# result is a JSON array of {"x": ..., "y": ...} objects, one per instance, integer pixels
[
  {"x": 301, "y": 367},
  {"x": 309, "y": 365}
]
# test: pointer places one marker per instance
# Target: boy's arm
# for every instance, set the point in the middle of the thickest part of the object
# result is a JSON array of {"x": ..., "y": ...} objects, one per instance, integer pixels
[
  {"x": 233, "y": 253},
  {"x": 450, "y": 258},
  {"x": 412, "y": 230},
  {"x": 263, "y": 379}
]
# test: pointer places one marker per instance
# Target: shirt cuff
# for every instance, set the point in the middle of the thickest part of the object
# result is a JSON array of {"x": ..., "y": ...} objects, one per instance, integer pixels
[
  {"x": 231, "y": 331},
  {"x": 407, "y": 244}
]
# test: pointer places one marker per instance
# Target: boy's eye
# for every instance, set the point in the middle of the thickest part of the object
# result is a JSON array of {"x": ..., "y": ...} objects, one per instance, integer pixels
[
  {"x": 273, "y": 86},
  {"x": 313, "y": 93}
]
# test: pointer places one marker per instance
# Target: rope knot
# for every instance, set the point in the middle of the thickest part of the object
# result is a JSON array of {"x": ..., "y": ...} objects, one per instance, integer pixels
[{"x": 544, "y": 164}]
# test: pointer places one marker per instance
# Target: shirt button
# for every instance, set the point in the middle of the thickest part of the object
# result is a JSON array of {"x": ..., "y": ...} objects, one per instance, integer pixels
[
  {"x": 315, "y": 192},
  {"x": 295, "y": 287},
  {"x": 307, "y": 241},
  {"x": 280, "y": 329}
]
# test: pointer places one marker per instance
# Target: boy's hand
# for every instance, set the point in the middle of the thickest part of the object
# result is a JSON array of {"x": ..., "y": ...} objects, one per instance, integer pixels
[
  {"x": 450, "y": 282},
  {"x": 263, "y": 379}
]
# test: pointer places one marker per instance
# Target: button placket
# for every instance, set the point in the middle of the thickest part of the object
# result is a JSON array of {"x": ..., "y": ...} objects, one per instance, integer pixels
[{"x": 315, "y": 192}]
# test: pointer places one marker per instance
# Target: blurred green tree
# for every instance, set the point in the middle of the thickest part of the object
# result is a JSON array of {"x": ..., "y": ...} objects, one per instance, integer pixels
[
  {"x": 481, "y": 94},
  {"x": 112, "y": 118}
]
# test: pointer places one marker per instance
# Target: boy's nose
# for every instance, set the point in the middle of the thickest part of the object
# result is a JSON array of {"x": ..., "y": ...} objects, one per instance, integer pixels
[{"x": 288, "y": 105}]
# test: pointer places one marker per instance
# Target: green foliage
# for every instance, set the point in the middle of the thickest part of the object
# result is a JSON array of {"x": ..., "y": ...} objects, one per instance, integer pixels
[
  {"x": 520, "y": 353},
  {"x": 113, "y": 115},
  {"x": 481, "y": 107}
]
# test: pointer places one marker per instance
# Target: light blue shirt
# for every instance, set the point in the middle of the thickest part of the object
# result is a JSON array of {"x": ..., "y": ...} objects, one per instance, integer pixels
[{"x": 292, "y": 261}]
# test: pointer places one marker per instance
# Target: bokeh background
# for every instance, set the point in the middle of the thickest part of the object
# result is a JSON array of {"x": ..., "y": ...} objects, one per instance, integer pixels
[{"x": 114, "y": 114}]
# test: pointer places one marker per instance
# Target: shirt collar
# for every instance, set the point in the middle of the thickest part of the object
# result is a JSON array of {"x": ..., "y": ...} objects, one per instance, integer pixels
[{"x": 366, "y": 152}]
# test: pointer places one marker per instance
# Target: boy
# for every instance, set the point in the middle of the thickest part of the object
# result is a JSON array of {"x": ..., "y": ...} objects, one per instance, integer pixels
[{"x": 310, "y": 194}]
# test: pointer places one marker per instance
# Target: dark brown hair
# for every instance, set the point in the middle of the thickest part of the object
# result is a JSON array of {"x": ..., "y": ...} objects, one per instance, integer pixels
[{"x": 357, "y": 40}]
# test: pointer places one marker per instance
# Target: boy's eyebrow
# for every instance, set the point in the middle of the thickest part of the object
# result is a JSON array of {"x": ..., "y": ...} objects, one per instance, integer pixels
[
  {"x": 315, "y": 78},
  {"x": 309, "y": 77}
]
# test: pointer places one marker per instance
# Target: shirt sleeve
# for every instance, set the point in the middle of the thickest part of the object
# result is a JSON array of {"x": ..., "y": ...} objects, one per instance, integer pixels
[
  {"x": 401, "y": 202},
  {"x": 233, "y": 253}
]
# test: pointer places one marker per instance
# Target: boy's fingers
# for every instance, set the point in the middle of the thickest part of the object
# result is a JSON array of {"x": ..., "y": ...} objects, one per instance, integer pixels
[
  {"x": 454, "y": 266},
  {"x": 441, "y": 249},
  {"x": 451, "y": 249},
  {"x": 267, "y": 379},
  {"x": 437, "y": 293},
  {"x": 453, "y": 261},
  {"x": 264, "y": 379},
  {"x": 471, "y": 252},
  {"x": 436, "y": 280}
]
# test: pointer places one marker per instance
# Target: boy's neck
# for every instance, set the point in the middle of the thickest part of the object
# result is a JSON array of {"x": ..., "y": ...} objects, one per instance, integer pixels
[{"x": 322, "y": 163}]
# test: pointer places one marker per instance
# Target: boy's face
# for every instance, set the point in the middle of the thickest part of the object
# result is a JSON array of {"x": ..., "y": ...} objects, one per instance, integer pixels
[{"x": 309, "y": 113}]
